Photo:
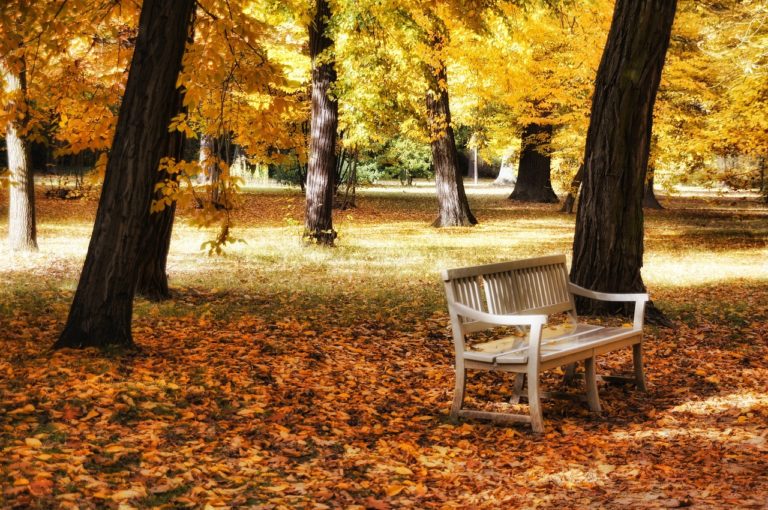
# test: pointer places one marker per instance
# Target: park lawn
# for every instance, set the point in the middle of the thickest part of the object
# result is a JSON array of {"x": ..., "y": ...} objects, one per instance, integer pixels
[{"x": 285, "y": 376}]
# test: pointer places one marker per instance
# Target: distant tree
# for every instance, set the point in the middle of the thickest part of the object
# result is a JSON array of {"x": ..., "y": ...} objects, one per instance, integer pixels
[
  {"x": 22, "y": 224},
  {"x": 573, "y": 191},
  {"x": 453, "y": 206},
  {"x": 608, "y": 243},
  {"x": 102, "y": 308},
  {"x": 318, "y": 226},
  {"x": 534, "y": 182},
  {"x": 649, "y": 195}
]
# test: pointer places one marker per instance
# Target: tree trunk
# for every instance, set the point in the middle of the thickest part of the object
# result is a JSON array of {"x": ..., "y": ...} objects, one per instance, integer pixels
[
  {"x": 152, "y": 272},
  {"x": 318, "y": 227},
  {"x": 453, "y": 206},
  {"x": 205, "y": 159},
  {"x": 649, "y": 196},
  {"x": 506, "y": 175},
  {"x": 534, "y": 183},
  {"x": 573, "y": 190},
  {"x": 349, "y": 193},
  {"x": 22, "y": 224},
  {"x": 608, "y": 243},
  {"x": 101, "y": 311},
  {"x": 152, "y": 281}
]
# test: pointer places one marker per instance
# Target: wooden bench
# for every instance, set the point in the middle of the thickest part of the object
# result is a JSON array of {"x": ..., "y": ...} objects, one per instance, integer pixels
[{"x": 524, "y": 294}]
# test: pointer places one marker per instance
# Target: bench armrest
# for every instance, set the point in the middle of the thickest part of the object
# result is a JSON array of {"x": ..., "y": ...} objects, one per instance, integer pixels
[
  {"x": 638, "y": 298},
  {"x": 606, "y": 296},
  {"x": 499, "y": 320}
]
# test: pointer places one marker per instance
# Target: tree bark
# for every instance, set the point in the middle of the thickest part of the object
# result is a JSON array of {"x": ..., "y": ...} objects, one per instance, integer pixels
[
  {"x": 152, "y": 281},
  {"x": 534, "y": 182},
  {"x": 101, "y": 311},
  {"x": 22, "y": 224},
  {"x": 318, "y": 227},
  {"x": 573, "y": 190},
  {"x": 453, "y": 206},
  {"x": 649, "y": 196},
  {"x": 608, "y": 243},
  {"x": 152, "y": 272}
]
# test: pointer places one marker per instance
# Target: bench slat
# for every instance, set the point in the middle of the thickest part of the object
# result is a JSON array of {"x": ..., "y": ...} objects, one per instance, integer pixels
[{"x": 463, "y": 272}]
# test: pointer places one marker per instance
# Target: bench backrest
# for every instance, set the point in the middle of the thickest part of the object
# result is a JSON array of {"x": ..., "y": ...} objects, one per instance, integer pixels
[{"x": 530, "y": 286}]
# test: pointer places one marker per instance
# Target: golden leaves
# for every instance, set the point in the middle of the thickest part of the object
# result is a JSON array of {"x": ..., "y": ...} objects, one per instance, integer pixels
[{"x": 180, "y": 123}]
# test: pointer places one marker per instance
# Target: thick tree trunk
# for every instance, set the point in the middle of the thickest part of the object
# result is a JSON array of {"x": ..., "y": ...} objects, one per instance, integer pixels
[
  {"x": 101, "y": 311},
  {"x": 534, "y": 182},
  {"x": 152, "y": 272},
  {"x": 318, "y": 226},
  {"x": 608, "y": 243},
  {"x": 573, "y": 190},
  {"x": 22, "y": 224},
  {"x": 649, "y": 196},
  {"x": 453, "y": 206}
]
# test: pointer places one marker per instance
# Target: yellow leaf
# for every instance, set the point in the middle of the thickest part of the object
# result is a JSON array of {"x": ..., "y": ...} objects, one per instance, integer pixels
[
  {"x": 126, "y": 494},
  {"x": 250, "y": 411},
  {"x": 29, "y": 408},
  {"x": 402, "y": 470},
  {"x": 90, "y": 415},
  {"x": 394, "y": 489},
  {"x": 33, "y": 442}
]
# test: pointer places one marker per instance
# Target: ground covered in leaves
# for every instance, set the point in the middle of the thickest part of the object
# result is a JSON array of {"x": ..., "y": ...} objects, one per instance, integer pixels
[{"x": 281, "y": 376}]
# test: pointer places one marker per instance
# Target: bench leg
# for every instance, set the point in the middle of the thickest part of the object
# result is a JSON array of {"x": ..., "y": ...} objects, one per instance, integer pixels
[
  {"x": 590, "y": 378},
  {"x": 458, "y": 392},
  {"x": 518, "y": 391},
  {"x": 637, "y": 360},
  {"x": 534, "y": 403}
]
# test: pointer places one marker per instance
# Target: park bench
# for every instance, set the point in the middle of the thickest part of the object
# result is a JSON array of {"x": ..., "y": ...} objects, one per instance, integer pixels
[{"x": 524, "y": 294}]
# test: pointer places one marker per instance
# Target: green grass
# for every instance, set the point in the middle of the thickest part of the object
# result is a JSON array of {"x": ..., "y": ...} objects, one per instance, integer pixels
[{"x": 387, "y": 257}]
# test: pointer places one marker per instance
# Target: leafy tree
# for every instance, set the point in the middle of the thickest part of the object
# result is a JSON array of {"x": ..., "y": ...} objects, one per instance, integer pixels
[
  {"x": 531, "y": 70},
  {"x": 101, "y": 311},
  {"x": 534, "y": 183},
  {"x": 61, "y": 67},
  {"x": 453, "y": 206},
  {"x": 608, "y": 243},
  {"x": 22, "y": 225}
]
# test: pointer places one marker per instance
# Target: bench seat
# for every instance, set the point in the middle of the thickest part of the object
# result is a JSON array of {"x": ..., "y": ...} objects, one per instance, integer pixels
[{"x": 524, "y": 294}]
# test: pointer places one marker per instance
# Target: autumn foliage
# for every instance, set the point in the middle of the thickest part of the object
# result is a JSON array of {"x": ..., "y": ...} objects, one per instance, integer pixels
[{"x": 282, "y": 374}]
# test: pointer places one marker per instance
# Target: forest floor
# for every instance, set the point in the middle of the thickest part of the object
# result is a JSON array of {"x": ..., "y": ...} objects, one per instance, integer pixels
[{"x": 285, "y": 376}]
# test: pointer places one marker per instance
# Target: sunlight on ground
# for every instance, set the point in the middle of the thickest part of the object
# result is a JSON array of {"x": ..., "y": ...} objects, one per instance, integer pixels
[
  {"x": 371, "y": 243},
  {"x": 743, "y": 402},
  {"x": 681, "y": 268}
]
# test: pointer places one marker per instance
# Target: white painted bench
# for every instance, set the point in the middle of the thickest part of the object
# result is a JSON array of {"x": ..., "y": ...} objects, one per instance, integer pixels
[{"x": 524, "y": 294}]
